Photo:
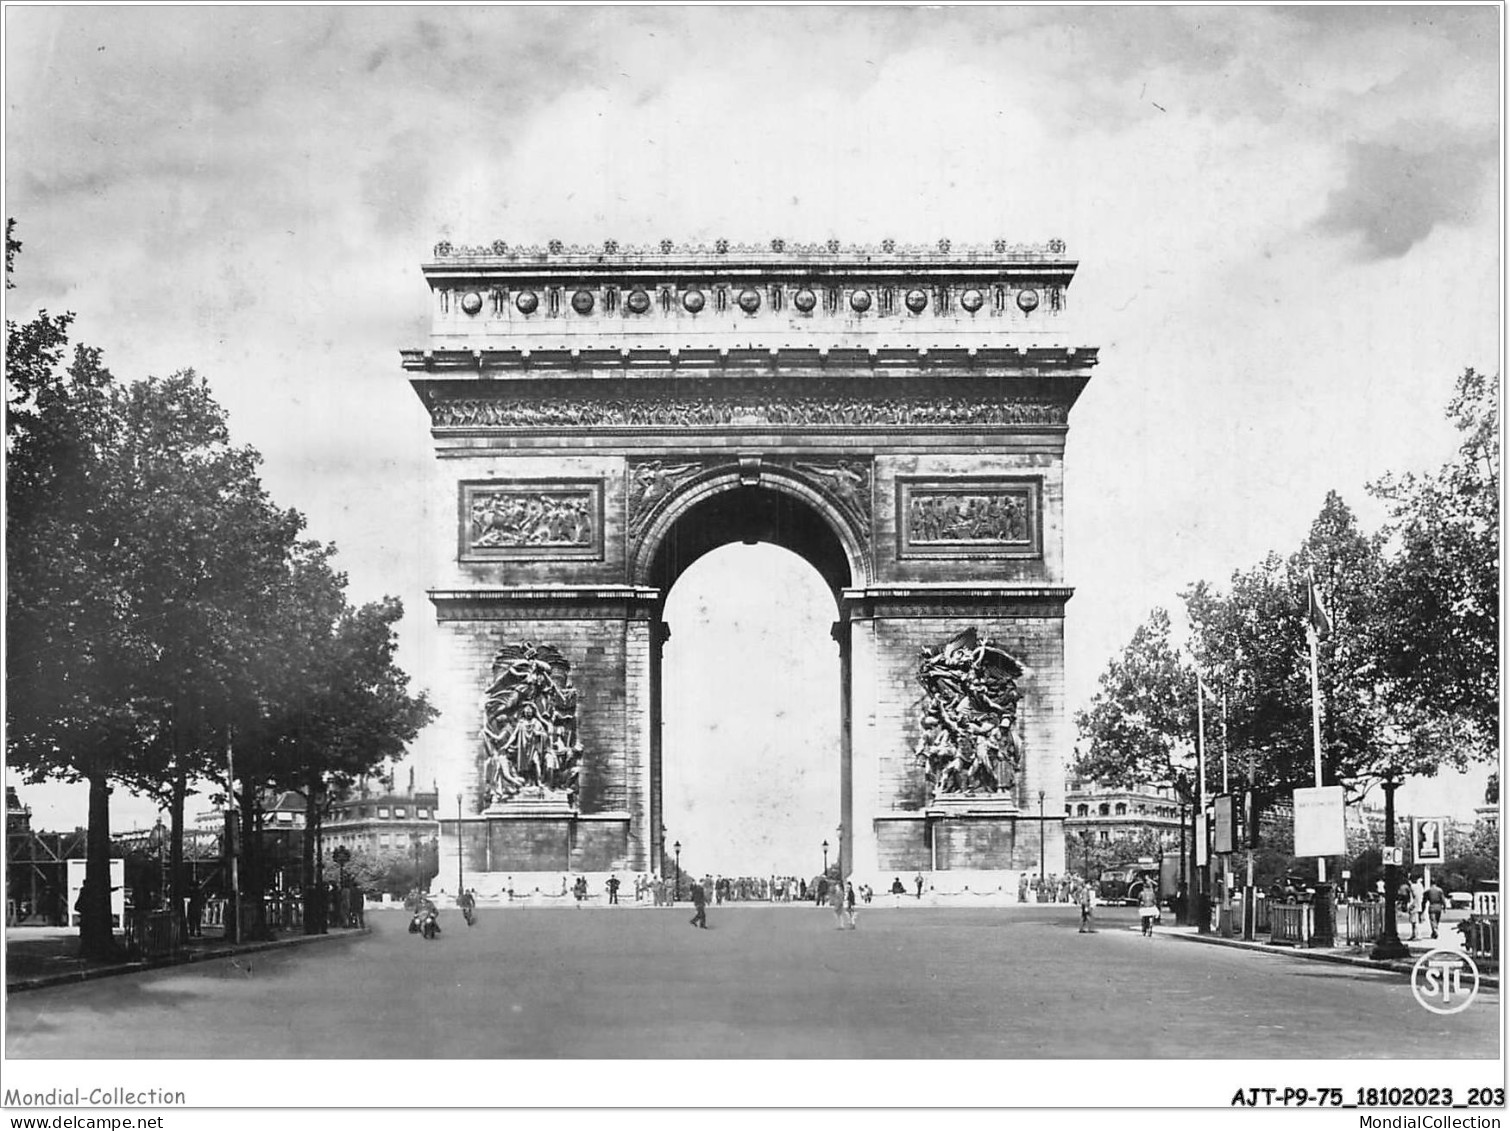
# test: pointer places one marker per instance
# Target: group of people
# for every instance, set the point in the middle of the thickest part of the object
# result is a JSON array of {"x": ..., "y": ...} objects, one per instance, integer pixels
[
  {"x": 1052, "y": 889},
  {"x": 1422, "y": 903}
]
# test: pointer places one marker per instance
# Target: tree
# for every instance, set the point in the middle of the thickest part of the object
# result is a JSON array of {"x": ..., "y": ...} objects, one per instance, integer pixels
[
  {"x": 355, "y": 714},
  {"x": 1440, "y": 598},
  {"x": 1140, "y": 726},
  {"x": 198, "y": 543},
  {"x": 72, "y": 709},
  {"x": 1252, "y": 643},
  {"x": 324, "y": 703}
]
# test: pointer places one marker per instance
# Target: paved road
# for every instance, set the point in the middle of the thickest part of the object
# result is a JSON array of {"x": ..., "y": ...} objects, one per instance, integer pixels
[{"x": 1013, "y": 983}]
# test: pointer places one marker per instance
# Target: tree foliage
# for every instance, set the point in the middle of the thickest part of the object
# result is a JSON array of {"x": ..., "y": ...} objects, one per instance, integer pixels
[
  {"x": 1440, "y": 598},
  {"x": 1140, "y": 725},
  {"x": 159, "y": 604},
  {"x": 1407, "y": 673}
]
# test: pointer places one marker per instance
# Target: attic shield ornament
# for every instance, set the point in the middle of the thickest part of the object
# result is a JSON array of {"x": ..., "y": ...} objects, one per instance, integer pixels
[
  {"x": 529, "y": 727},
  {"x": 969, "y": 712}
]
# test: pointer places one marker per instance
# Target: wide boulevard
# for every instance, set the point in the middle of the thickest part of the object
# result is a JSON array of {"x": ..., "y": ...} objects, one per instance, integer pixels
[{"x": 1016, "y": 982}]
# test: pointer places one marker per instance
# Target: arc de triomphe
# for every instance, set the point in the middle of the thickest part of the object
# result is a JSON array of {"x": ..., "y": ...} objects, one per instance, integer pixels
[{"x": 604, "y": 416}]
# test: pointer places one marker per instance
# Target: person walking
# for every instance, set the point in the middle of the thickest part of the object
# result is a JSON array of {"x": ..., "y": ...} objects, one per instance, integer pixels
[
  {"x": 1148, "y": 907},
  {"x": 1436, "y": 903},
  {"x": 700, "y": 905},
  {"x": 836, "y": 901},
  {"x": 1087, "y": 902},
  {"x": 918, "y": 879},
  {"x": 849, "y": 903},
  {"x": 1417, "y": 903}
]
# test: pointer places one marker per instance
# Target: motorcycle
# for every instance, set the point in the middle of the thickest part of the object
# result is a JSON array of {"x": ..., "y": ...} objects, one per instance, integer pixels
[
  {"x": 469, "y": 915},
  {"x": 430, "y": 927}
]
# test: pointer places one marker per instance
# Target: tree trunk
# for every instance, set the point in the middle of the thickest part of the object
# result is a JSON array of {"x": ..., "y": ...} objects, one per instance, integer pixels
[
  {"x": 177, "y": 892},
  {"x": 314, "y": 894},
  {"x": 254, "y": 924},
  {"x": 96, "y": 932}
]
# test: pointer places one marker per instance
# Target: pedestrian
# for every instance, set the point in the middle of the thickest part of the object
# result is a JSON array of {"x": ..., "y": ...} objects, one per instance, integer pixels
[
  {"x": 700, "y": 906},
  {"x": 196, "y": 912},
  {"x": 613, "y": 889},
  {"x": 836, "y": 901},
  {"x": 1417, "y": 903},
  {"x": 1087, "y": 902},
  {"x": 918, "y": 879},
  {"x": 1436, "y": 903},
  {"x": 1148, "y": 907},
  {"x": 849, "y": 903}
]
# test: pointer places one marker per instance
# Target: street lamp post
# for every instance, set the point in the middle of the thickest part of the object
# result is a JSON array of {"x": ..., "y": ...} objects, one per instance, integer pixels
[
  {"x": 460, "y": 888},
  {"x": 677, "y": 894},
  {"x": 825, "y": 860},
  {"x": 342, "y": 856},
  {"x": 1389, "y": 945},
  {"x": 414, "y": 839},
  {"x": 1085, "y": 840},
  {"x": 1042, "y": 863}
]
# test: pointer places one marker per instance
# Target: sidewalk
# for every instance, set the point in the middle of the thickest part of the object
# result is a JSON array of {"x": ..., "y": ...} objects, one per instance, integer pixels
[
  {"x": 48, "y": 956},
  {"x": 1348, "y": 956}
]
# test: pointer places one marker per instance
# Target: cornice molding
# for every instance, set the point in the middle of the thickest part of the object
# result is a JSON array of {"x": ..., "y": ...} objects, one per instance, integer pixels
[
  {"x": 455, "y": 362},
  {"x": 774, "y": 251}
]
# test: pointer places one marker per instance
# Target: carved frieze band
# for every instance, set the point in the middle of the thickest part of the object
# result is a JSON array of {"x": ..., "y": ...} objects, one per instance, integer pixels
[
  {"x": 968, "y": 517},
  {"x": 511, "y": 520},
  {"x": 707, "y": 412}
]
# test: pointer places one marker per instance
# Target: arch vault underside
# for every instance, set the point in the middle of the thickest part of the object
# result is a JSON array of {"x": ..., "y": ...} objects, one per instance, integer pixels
[{"x": 600, "y": 421}]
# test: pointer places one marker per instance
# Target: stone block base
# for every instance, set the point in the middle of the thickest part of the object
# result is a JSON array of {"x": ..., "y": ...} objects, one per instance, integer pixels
[
  {"x": 959, "y": 837},
  {"x": 496, "y": 845}
]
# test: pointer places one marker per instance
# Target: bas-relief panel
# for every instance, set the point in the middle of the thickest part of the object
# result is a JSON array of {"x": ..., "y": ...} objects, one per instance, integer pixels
[
  {"x": 505, "y": 520},
  {"x": 969, "y": 517}
]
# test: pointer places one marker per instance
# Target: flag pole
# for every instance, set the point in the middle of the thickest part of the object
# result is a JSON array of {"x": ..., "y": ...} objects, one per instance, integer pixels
[
  {"x": 1202, "y": 851},
  {"x": 1313, "y": 636}
]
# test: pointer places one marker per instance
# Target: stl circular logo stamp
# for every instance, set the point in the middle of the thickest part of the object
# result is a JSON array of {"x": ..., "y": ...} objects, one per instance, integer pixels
[{"x": 1444, "y": 981}]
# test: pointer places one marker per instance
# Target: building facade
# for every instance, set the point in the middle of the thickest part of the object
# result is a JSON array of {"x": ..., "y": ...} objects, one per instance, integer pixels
[{"x": 1116, "y": 814}]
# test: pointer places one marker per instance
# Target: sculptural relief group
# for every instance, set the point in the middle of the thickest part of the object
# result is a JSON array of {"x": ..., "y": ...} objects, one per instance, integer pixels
[
  {"x": 500, "y": 519},
  {"x": 529, "y": 730},
  {"x": 969, "y": 712}
]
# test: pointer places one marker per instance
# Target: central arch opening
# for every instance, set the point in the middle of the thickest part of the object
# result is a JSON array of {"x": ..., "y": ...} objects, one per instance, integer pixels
[
  {"x": 749, "y": 737},
  {"x": 750, "y": 690}
]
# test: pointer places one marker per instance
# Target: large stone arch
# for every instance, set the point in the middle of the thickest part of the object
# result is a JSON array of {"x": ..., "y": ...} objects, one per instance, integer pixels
[
  {"x": 897, "y": 416},
  {"x": 849, "y": 530}
]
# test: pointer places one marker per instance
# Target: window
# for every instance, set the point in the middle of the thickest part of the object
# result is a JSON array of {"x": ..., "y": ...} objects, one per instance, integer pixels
[
  {"x": 1121, "y": 809},
  {"x": 285, "y": 818},
  {"x": 1105, "y": 836},
  {"x": 422, "y": 814},
  {"x": 383, "y": 812},
  {"x": 400, "y": 812},
  {"x": 1084, "y": 811},
  {"x": 1106, "y": 810},
  {"x": 383, "y": 840}
]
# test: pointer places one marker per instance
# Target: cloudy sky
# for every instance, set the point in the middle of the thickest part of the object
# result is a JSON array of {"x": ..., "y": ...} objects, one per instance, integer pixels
[{"x": 1286, "y": 219}]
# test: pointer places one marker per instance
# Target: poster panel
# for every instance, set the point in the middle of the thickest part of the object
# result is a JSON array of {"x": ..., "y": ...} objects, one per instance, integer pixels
[{"x": 1318, "y": 822}]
